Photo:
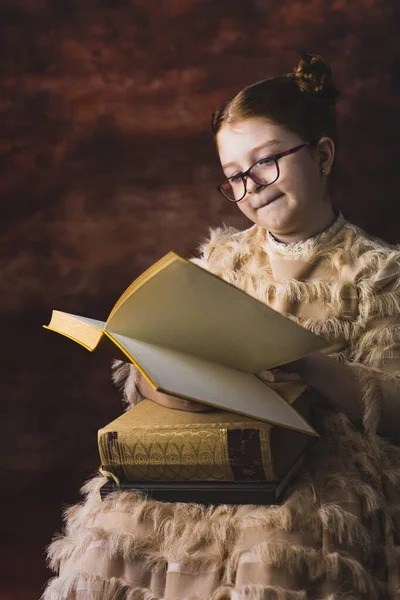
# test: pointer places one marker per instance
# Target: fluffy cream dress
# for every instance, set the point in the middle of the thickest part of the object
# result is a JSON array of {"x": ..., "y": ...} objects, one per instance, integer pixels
[{"x": 337, "y": 534}]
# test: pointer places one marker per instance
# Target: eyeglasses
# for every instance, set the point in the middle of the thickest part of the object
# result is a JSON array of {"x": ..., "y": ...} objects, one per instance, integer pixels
[{"x": 263, "y": 172}]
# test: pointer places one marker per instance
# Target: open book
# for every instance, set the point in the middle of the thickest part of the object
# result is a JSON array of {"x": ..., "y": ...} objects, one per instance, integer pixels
[{"x": 193, "y": 335}]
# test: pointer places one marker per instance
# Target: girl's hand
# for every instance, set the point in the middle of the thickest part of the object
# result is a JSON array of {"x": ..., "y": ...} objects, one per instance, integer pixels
[
  {"x": 279, "y": 375},
  {"x": 336, "y": 382},
  {"x": 303, "y": 369},
  {"x": 168, "y": 401}
]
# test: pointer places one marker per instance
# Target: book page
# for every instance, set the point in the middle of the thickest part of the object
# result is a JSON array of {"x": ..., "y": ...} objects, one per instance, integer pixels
[
  {"x": 82, "y": 330},
  {"x": 150, "y": 272},
  {"x": 197, "y": 379},
  {"x": 183, "y": 307}
]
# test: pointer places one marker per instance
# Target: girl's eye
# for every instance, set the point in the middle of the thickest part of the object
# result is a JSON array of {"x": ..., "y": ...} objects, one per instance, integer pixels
[
  {"x": 236, "y": 177},
  {"x": 265, "y": 161}
]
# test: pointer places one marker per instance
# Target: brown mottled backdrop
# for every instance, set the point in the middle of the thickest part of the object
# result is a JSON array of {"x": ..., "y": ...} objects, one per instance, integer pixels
[{"x": 107, "y": 163}]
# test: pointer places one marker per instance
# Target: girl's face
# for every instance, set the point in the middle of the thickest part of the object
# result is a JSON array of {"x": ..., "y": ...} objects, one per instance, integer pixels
[{"x": 298, "y": 201}]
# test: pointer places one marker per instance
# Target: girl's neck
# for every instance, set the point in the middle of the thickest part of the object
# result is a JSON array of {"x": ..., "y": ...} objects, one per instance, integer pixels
[{"x": 318, "y": 224}]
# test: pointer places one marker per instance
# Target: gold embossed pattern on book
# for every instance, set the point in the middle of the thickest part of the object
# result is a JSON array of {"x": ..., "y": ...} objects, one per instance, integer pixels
[{"x": 231, "y": 449}]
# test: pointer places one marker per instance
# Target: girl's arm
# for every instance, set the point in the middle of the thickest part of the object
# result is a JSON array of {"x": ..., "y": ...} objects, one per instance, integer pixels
[
  {"x": 336, "y": 382},
  {"x": 340, "y": 384}
]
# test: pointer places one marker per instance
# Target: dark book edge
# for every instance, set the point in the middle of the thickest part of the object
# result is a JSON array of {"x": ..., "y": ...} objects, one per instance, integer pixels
[{"x": 200, "y": 492}]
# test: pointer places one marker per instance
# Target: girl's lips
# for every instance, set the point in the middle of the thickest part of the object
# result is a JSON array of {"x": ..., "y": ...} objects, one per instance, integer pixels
[
  {"x": 276, "y": 198},
  {"x": 269, "y": 201}
]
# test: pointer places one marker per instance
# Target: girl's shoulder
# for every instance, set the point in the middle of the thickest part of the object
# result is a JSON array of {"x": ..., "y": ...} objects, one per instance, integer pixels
[
  {"x": 374, "y": 259},
  {"x": 224, "y": 244}
]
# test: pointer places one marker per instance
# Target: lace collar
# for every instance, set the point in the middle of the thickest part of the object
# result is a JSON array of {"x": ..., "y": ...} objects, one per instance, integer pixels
[{"x": 309, "y": 245}]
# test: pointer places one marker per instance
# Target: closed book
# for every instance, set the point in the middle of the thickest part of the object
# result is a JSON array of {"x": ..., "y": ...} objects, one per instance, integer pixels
[
  {"x": 203, "y": 492},
  {"x": 153, "y": 443}
]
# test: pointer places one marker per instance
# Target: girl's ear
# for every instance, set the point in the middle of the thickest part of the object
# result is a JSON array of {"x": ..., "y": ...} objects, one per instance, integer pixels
[{"x": 325, "y": 154}]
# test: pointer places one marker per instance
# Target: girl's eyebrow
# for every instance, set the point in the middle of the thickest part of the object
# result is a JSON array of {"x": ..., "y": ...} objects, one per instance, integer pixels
[{"x": 270, "y": 143}]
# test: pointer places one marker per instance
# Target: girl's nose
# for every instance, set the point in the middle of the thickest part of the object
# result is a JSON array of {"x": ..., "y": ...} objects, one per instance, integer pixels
[{"x": 251, "y": 185}]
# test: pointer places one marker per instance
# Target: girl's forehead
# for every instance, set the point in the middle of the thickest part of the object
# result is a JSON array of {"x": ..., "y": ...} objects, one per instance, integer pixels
[
  {"x": 239, "y": 140},
  {"x": 252, "y": 127}
]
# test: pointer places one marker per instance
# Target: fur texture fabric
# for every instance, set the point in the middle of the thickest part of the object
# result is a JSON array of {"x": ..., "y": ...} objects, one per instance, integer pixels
[{"x": 337, "y": 534}]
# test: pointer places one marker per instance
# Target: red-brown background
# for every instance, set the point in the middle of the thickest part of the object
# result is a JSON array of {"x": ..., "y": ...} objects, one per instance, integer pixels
[{"x": 107, "y": 163}]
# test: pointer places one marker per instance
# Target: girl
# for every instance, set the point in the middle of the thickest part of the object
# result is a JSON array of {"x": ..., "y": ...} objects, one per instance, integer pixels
[{"x": 337, "y": 534}]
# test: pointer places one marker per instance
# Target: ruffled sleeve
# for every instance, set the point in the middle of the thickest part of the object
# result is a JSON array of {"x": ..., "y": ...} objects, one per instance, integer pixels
[
  {"x": 125, "y": 376},
  {"x": 375, "y": 349}
]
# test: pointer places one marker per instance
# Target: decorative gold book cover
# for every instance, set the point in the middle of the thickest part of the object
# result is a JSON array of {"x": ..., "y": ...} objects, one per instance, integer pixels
[{"x": 151, "y": 442}]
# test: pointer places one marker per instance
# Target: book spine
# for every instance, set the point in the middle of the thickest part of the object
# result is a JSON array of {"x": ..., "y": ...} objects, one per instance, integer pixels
[{"x": 217, "y": 454}]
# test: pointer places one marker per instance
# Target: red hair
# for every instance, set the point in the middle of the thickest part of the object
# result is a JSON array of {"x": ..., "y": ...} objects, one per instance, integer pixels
[{"x": 304, "y": 101}]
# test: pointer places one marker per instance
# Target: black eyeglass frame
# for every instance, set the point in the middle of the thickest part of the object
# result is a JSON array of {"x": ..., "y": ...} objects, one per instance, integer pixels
[{"x": 274, "y": 157}]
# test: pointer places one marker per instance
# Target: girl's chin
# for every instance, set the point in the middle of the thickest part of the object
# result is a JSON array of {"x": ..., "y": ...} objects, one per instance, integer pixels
[{"x": 274, "y": 218}]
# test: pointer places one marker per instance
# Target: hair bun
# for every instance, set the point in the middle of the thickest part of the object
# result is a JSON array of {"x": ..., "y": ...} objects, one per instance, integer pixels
[{"x": 314, "y": 78}]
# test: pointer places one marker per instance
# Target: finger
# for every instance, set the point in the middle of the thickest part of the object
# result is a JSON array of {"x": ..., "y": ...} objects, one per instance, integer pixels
[
  {"x": 268, "y": 376},
  {"x": 278, "y": 376},
  {"x": 288, "y": 377}
]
